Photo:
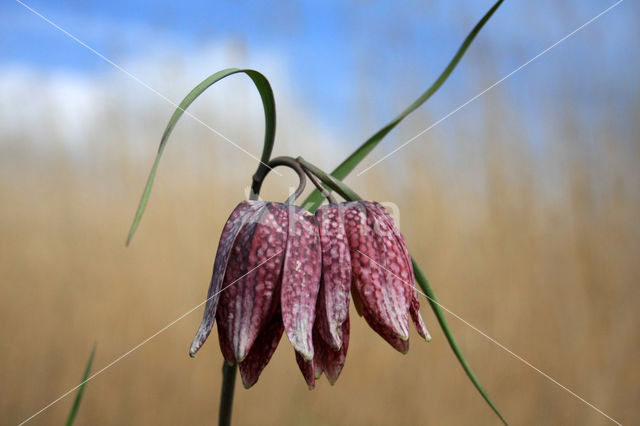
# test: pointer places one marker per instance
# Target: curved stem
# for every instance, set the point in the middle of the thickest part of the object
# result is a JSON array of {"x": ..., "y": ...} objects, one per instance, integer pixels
[
  {"x": 328, "y": 181},
  {"x": 226, "y": 395},
  {"x": 275, "y": 162},
  {"x": 317, "y": 183}
]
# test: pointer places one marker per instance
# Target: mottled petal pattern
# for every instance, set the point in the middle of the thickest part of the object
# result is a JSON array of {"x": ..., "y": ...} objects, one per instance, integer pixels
[
  {"x": 253, "y": 276},
  {"x": 329, "y": 360},
  {"x": 333, "y": 300},
  {"x": 301, "y": 280},
  {"x": 396, "y": 262},
  {"x": 378, "y": 272},
  {"x": 236, "y": 220},
  {"x": 414, "y": 309},
  {"x": 280, "y": 269},
  {"x": 262, "y": 350}
]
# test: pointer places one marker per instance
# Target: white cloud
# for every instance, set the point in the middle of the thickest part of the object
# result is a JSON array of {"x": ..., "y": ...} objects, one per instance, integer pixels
[{"x": 64, "y": 108}]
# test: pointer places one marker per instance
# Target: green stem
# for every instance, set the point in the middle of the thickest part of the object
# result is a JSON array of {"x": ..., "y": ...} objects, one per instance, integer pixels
[
  {"x": 334, "y": 184},
  {"x": 226, "y": 395},
  {"x": 281, "y": 161},
  {"x": 319, "y": 185}
]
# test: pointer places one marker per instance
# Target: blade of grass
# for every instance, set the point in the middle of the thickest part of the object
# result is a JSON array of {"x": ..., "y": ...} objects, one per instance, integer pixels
[
  {"x": 315, "y": 198},
  {"x": 268, "y": 102},
  {"x": 348, "y": 194},
  {"x": 83, "y": 385}
]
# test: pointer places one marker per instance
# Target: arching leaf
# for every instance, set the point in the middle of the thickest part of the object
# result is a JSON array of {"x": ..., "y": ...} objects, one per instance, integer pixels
[
  {"x": 340, "y": 172},
  {"x": 268, "y": 102}
]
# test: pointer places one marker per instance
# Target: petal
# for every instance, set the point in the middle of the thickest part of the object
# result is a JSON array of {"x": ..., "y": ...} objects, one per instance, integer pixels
[
  {"x": 225, "y": 344},
  {"x": 421, "y": 327},
  {"x": 397, "y": 262},
  {"x": 378, "y": 274},
  {"x": 404, "y": 255},
  {"x": 333, "y": 299},
  {"x": 401, "y": 345},
  {"x": 235, "y": 222},
  {"x": 308, "y": 371},
  {"x": 261, "y": 350},
  {"x": 301, "y": 280},
  {"x": 398, "y": 344},
  {"x": 253, "y": 277},
  {"x": 318, "y": 361},
  {"x": 329, "y": 360},
  {"x": 414, "y": 309}
]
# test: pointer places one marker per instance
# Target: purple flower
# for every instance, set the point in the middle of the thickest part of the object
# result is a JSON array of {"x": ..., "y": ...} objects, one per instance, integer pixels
[
  {"x": 265, "y": 280},
  {"x": 281, "y": 269}
]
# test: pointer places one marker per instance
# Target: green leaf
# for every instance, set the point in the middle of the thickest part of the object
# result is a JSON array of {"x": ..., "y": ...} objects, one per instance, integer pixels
[
  {"x": 348, "y": 194},
  {"x": 83, "y": 384},
  {"x": 268, "y": 102},
  {"x": 437, "y": 310},
  {"x": 315, "y": 198}
]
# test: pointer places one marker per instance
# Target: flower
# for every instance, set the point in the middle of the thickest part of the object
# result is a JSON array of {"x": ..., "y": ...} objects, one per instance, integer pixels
[
  {"x": 265, "y": 281},
  {"x": 280, "y": 269},
  {"x": 364, "y": 253},
  {"x": 383, "y": 272},
  {"x": 331, "y": 328}
]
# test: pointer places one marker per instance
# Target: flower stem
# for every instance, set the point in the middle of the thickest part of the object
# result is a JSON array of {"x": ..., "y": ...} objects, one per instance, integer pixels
[
  {"x": 319, "y": 186},
  {"x": 226, "y": 395},
  {"x": 258, "y": 178},
  {"x": 329, "y": 181}
]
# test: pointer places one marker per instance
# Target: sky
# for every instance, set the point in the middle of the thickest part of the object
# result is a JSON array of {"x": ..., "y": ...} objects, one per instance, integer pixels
[{"x": 338, "y": 59}]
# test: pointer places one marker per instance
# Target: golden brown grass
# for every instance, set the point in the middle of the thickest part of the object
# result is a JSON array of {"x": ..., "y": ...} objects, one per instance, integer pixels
[{"x": 551, "y": 272}]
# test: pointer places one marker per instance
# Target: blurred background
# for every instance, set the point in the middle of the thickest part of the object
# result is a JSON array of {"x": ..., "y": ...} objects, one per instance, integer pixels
[{"x": 522, "y": 208}]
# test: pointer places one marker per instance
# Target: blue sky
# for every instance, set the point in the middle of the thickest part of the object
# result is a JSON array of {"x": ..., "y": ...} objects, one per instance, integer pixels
[{"x": 343, "y": 55}]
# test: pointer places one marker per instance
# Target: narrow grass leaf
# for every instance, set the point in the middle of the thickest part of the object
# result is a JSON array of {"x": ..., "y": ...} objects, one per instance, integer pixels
[
  {"x": 268, "y": 102},
  {"x": 315, "y": 198},
  {"x": 83, "y": 385}
]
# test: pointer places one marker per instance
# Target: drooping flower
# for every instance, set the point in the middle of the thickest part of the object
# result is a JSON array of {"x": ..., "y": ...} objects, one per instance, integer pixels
[
  {"x": 363, "y": 253},
  {"x": 265, "y": 281},
  {"x": 382, "y": 273},
  {"x": 238, "y": 218},
  {"x": 333, "y": 301},
  {"x": 280, "y": 269},
  {"x": 414, "y": 308},
  {"x": 331, "y": 328},
  {"x": 301, "y": 281}
]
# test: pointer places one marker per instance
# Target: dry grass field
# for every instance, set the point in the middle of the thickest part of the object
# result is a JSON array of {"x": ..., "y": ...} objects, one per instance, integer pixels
[{"x": 538, "y": 251}]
